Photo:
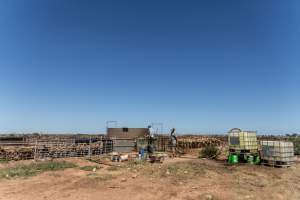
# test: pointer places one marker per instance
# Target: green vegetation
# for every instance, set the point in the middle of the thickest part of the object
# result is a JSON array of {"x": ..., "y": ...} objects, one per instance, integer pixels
[
  {"x": 34, "y": 169},
  {"x": 113, "y": 168},
  {"x": 89, "y": 168},
  {"x": 3, "y": 161},
  {"x": 210, "y": 152},
  {"x": 296, "y": 140}
]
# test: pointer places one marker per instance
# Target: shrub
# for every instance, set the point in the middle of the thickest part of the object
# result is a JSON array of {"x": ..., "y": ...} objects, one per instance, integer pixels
[
  {"x": 297, "y": 149},
  {"x": 297, "y": 145},
  {"x": 210, "y": 152},
  {"x": 296, "y": 141}
]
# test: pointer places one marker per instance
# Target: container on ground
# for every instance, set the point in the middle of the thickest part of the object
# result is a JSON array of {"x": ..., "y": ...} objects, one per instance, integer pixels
[
  {"x": 277, "y": 153},
  {"x": 250, "y": 159},
  {"x": 242, "y": 141},
  {"x": 233, "y": 159}
]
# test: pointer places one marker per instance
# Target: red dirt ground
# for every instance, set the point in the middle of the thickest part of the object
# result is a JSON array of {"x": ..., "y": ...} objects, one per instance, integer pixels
[{"x": 178, "y": 178}]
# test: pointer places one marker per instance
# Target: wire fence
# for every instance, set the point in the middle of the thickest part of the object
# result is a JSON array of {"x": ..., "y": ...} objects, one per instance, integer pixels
[
  {"x": 62, "y": 146},
  {"x": 40, "y": 148}
]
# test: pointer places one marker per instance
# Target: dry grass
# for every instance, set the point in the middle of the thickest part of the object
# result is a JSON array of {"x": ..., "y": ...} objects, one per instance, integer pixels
[
  {"x": 114, "y": 168},
  {"x": 34, "y": 169},
  {"x": 183, "y": 170},
  {"x": 178, "y": 171},
  {"x": 89, "y": 168}
]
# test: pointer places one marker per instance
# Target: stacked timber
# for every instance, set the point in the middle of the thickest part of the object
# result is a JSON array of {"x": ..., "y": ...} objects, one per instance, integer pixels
[
  {"x": 187, "y": 142},
  {"x": 44, "y": 147},
  {"x": 70, "y": 149},
  {"x": 16, "y": 153},
  {"x": 195, "y": 142}
]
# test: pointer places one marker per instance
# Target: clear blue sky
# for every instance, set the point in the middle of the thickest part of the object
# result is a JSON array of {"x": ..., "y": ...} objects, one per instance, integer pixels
[{"x": 200, "y": 66}]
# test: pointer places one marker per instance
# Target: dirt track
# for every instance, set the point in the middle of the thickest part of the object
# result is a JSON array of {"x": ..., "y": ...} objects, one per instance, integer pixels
[{"x": 180, "y": 178}]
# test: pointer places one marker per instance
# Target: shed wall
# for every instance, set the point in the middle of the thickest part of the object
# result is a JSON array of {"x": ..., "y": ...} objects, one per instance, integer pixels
[{"x": 127, "y": 133}]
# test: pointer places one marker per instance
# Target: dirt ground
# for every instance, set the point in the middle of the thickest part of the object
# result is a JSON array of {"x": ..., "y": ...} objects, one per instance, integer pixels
[{"x": 185, "y": 178}]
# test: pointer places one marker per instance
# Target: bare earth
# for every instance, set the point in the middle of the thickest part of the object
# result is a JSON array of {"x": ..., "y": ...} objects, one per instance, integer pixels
[{"x": 179, "y": 178}]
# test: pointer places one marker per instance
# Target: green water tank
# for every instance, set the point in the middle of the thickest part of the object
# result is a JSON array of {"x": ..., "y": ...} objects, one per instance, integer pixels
[
  {"x": 233, "y": 159},
  {"x": 250, "y": 159},
  {"x": 256, "y": 160}
]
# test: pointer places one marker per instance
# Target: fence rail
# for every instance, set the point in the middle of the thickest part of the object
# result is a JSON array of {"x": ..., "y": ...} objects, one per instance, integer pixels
[
  {"x": 54, "y": 149},
  {"x": 60, "y": 146}
]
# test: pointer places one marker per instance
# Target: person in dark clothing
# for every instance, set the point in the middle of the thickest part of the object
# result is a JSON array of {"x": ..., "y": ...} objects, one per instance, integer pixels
[{"x": 173, "y": 142}]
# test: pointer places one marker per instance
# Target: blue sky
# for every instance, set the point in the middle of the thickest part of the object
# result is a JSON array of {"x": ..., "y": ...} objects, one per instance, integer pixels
[{"x": 199, "y": 66}]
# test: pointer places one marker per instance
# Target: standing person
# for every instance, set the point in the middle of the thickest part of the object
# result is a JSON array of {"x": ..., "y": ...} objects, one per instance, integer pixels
[
  {"x": 151, "y": 139},
  {"x": 151, "y": 131},
  {"x": 173, "y": 142}
]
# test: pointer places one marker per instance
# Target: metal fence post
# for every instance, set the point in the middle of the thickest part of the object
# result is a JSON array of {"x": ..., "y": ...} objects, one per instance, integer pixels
[
  {"x": 90, "y": 147},
  {"x": 101, "y": 146},
  {"x": 35, "y": 150}
]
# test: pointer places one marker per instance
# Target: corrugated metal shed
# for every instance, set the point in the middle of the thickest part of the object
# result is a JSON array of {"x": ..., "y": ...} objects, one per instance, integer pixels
[
  {"x": 124, "y": 138},
  {"x": 124, "y": 145},
  {"x": 127, "y": 133}
]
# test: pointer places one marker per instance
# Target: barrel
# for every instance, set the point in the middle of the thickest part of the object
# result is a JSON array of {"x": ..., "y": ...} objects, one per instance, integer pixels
[
  {"x": 257, "y": 160},
  {"x": 250, "y": 159},
  {"x": 232, "y": 159}
]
